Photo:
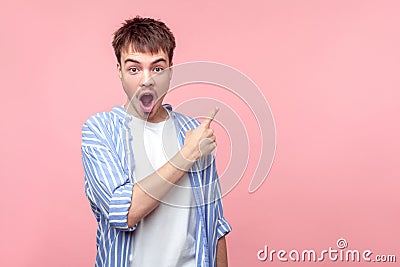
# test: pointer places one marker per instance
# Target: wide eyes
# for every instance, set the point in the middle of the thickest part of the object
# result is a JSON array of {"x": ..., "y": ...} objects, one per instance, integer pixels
[
  {"x": 158, "y": 69},
  {"x": 134, "y": 70}
]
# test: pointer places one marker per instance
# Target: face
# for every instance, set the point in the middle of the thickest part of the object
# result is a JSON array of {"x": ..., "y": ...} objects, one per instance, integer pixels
[{"x": 145, "y": 78}]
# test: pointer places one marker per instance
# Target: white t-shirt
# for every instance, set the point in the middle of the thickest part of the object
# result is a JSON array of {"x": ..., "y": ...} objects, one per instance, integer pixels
[{"x": 166, "y": 236}]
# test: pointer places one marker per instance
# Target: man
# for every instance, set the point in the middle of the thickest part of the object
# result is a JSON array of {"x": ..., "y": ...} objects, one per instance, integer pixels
[{"x": 150, "y": 176}]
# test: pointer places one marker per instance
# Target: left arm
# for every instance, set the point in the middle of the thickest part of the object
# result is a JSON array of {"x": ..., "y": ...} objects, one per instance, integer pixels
[{"x": 222, "y": 258}]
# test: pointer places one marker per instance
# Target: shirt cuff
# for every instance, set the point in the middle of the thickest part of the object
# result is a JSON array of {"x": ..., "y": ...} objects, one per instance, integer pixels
[
  {"x": 119, "y": 208},
  {"x": 223, "y": 227}
]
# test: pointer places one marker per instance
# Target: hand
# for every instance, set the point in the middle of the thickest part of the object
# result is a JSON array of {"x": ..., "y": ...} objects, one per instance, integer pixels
[{"x": 200, "y": 141}]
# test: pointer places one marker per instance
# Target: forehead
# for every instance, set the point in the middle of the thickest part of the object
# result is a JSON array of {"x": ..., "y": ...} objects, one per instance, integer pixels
[{"x": 142, "y": 56}]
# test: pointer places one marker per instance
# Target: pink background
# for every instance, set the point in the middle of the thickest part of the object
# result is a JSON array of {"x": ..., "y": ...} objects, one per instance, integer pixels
[{"x": 329, "y": 70}]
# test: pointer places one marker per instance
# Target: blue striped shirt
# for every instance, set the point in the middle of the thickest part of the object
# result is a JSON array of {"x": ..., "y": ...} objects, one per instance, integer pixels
[{"x": 108, "y": 162}]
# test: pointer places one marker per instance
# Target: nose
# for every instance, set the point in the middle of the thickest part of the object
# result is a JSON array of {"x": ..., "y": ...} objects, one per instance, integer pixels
[{"x": 147, "y": 79}]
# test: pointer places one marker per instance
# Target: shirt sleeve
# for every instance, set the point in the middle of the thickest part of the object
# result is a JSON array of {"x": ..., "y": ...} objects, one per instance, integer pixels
[
  {"x": 222, "y": 225},
  {"x": 108, "y": 186}
]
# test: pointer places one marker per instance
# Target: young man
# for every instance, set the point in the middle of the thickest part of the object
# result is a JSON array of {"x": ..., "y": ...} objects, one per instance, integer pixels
[{"x": 150, "y": 176}]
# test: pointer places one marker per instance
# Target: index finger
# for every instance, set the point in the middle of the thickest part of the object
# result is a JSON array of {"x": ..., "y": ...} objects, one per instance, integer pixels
[{"x": 210, "y": 117}]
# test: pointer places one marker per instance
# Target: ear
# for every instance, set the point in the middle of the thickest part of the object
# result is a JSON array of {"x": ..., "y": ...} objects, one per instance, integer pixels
[
  {"x": 171, "y": 69},
  {"x": 119, "y": 70}
]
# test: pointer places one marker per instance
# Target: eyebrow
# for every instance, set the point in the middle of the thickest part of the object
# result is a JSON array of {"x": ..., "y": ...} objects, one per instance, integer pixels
[{"x": 138, "y": 62}]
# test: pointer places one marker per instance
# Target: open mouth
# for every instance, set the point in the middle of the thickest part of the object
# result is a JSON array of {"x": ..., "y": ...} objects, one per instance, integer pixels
[{"x": 147, "y": 100}]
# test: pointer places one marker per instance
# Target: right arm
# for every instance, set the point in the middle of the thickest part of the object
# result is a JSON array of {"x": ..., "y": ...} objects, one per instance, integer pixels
[{"x": 148, "y": 192}]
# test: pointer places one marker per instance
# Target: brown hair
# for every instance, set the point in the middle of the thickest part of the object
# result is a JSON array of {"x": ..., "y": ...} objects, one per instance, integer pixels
[{"x": 144, "y": 35}]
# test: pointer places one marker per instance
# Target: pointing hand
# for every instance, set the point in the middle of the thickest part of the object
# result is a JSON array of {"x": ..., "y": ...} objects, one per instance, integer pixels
[{"x": 200, "y": 141}]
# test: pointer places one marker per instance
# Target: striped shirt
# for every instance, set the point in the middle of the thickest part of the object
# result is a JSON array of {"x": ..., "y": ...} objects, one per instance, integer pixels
[{"x": 108, "y": 162}]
